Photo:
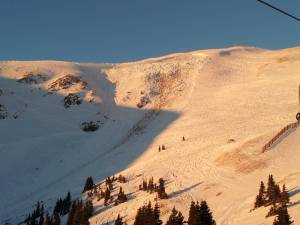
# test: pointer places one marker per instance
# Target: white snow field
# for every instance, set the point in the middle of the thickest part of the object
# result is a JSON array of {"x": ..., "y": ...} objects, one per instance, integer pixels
[{"x": 227, "y": 103}]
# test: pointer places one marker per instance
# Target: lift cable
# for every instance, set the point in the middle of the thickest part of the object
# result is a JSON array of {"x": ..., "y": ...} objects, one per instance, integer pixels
[{"x": 279, "y": 10}]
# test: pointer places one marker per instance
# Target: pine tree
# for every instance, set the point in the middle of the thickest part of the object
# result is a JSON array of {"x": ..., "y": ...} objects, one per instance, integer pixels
[
  {"x": 109, "y": 183},
  {"x": 151, "y": 185},
  {"x": 38, "y": 210},
  {"x": 146, "y": 215},
  {"x": 144, "y": 185},
  {"x": 285, "y": 199},
  {"x": 78, "y": 217},
  {"x": 33, "y": 222},
  {"x": 58, "y": 208},
  {"x": 273, "y": 193},
  {"x": 121, "y": 197},
  {"x": 88, "y": 208},
  {"x": 260, "y": 198},
  {"x": 175, "y": 218},
  {"x": 106, "y": 196},
  {"x": 270, "y": 188},
  {"x": 205, "y": 216},
  {"x": 121, "y": 179},
  {"x": 41, "y": 221},
  {"x": 161, "y": 189},
  {"x": 48, "y": 220},
  {"x": 89, "y": 184},
  {"x": 156, "y": 213},
  {"x": 277, "y": 193},
  {"x": 28, "y": 218},
  {"x": 67, "y": 203},
  {"x": 149, "y": 214},
  {"x": 283, "y": 217},
  {"x": 273, "y": 210},
  {"x": 119, "y": 221},
  {"x": 139, "y": 217},
  {"x": 56, "y": 220},
  {"x": 193, "y": 214},
  {"x": 42, "y": 209},
  {"x": 72, "y": 213}
]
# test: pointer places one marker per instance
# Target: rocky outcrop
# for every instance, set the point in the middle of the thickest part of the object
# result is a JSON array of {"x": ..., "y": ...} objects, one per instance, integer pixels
[
  {"x": 66, "y": 82},
  {"x": 90, "y": 126},
  {"x": 32, "y": 78},
  {"x": 144, "y": 100},
  {"x": 3, "y": 112},
  {"x": 72, "y": 99}
]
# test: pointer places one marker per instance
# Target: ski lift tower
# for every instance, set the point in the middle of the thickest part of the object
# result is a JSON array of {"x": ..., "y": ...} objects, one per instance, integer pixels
[{"x": 293, "y": 17}]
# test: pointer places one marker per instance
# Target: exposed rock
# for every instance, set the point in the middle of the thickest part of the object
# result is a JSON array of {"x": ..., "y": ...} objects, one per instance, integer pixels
[
  {"x": 90, "y": 126},
  {"x": 72, "y": 99},
  {"x": 31, "y": 78},
  {"x": 3, "y": 112},
  {"x": 1, "y": 92},
  {"x": 66, "y": 82},
  {"x": 143, "y": 101}
]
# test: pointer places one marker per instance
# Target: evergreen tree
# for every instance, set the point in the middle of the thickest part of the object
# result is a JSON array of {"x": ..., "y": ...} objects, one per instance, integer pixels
[
  {"x": 273, "y": 210},
  {"x": 151, "y": 185},
  {"x": 80, "y": 214},
  {"x": 119, "y": 221},
  {"x": 89, "y": 184},
  {"x": 273, "y": 193},
  {"x": 146, "y": 215},
  {"x": 161, "y": 189},
  {"x": 200, "y": 214},
  {"x": 56, "y": 220},
  {"x": 283, "y": 217},
  {"x": 121, "y": 197},
  {"x": 48, "y": 220},
  {"x": 277, "y": 194},
  {"x": 260, "y": 198},
  {"x": 67, "y": 203},
  {"x": 41, "y": 221},
  {"x": 149, "y": 215},
  {"x": 38, "y": 210},
  {"x": 156, "y": 213},
  {"x": 58, "y": 207},
  {"x": 88, "y": 208},
  {"x": 193, "y": 214},
  {"x": 121, "y": 179},
  {"x": 205, "y": 216},
  {"x": 106, "y": 196},
  {"x": 78, "y": 217},
  {"x": 139, "y": 217},
  {"x": 33, "y": 222},
  {"x": 285, "y": 198},
  {"x": 109, "y": 183},
  {"x": 270, "y": 188},
  {"x": 175, "y": 218},
  {"x": 144, "y": 185},
  {"x": 28, "y": 218},
  {"x": 72, "y": 213}
]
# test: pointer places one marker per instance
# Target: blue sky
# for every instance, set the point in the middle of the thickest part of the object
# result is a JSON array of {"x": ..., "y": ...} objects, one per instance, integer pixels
[{"x": 125, "y": 30}]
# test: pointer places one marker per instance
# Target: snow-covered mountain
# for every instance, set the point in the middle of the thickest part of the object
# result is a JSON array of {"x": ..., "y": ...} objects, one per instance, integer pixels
[{"x": 227, "y": 103}]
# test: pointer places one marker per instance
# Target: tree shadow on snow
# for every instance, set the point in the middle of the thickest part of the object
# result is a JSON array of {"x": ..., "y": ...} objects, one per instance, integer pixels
[{"x": 177, "y": 193}]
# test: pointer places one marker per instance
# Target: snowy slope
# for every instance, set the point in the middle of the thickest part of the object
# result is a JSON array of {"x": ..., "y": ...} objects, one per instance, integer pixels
[{"x": 226, "y": 102}]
